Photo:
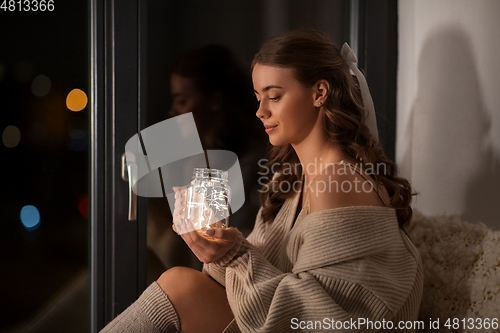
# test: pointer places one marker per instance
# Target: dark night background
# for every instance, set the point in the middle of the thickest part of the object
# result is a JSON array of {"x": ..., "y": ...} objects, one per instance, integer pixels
[
  {"x": 48, "y": 168},
  {"x": 44, "y": 283}
]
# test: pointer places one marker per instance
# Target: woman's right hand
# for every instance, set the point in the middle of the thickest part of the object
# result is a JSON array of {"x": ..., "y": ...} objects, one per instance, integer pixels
[
  {"x": 180, "y": 208},
  {"x": 205, "y": 249}
]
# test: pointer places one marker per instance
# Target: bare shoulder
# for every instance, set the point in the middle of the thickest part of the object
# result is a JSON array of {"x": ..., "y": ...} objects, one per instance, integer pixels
[{"x": 340, "y": 186}]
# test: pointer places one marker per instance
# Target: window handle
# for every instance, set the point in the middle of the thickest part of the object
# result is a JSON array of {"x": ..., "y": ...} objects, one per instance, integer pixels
[{"x": 130, "y": 174}]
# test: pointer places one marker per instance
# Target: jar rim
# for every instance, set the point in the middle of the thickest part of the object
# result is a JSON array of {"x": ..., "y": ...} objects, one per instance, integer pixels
[{"x": 208, "y": 172}]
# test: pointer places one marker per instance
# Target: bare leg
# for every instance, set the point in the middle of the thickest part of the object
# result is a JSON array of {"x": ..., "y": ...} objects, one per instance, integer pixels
[{"x": 200, "y": 302}]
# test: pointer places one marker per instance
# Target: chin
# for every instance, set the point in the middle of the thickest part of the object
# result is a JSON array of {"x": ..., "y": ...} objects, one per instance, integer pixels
[{"x": 276, "y": 143}]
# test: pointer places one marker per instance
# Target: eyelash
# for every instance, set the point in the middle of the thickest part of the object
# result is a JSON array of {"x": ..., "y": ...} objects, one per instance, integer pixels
[{"x": 272, "y": 99}]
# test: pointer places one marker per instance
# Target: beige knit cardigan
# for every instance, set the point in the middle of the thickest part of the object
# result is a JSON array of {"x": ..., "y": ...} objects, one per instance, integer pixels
[{"x": 342, "y": 264}]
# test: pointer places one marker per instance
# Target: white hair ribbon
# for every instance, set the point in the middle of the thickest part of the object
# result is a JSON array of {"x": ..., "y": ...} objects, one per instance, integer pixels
[{"x": 371, "y": 118}]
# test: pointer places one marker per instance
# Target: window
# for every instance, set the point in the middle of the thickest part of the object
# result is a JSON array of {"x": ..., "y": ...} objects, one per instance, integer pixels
[{"x": 44, "y": 84}]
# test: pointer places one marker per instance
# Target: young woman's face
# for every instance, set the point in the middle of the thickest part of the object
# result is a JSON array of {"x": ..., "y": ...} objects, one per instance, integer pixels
[
  {"x": 186, "y": 97},
  {"x": 286, "y": 108}
]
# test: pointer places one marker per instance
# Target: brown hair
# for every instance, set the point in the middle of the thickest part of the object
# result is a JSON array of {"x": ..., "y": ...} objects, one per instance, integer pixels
[{"x": 312, "y": 56}]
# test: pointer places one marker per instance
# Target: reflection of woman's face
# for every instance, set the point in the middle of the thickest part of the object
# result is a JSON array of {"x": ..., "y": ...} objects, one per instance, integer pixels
[
  {"x": 286, "y": 106},
  {"x": 186, "y": 97}
]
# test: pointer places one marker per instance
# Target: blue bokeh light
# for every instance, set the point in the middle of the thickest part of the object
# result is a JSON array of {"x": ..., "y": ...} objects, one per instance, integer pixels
[
  {"x": 77, "y": 140},
  {"x": 30, "y": 217}
]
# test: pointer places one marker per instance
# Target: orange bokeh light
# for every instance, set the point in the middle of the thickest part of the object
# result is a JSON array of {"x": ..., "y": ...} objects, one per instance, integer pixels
[{"x": 76, "y": 100}]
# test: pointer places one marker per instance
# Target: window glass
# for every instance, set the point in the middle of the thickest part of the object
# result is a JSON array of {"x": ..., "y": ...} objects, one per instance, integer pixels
[
  {"x": 44, "y": 160},
  {"x": 193, "y": 50}
]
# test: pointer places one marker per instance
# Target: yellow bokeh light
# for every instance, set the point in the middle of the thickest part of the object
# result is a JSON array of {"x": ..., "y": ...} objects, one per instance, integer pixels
[
  {"x": 76, "y": 100},
  {"x": 11, "y": 136}
]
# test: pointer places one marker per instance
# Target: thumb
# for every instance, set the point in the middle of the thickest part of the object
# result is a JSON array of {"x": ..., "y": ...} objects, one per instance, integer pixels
[{"x": 229, "y": 234}]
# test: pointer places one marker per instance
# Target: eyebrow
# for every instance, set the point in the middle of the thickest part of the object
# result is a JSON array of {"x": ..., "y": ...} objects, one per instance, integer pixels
[{"x": 268, "y": 88}]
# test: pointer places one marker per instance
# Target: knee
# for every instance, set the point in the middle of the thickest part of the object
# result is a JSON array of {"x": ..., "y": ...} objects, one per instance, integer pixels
[{"x": 177, "y": 278}]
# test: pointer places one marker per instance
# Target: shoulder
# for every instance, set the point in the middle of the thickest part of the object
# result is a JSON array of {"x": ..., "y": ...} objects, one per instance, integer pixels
[{"x": 339, "y": 185}]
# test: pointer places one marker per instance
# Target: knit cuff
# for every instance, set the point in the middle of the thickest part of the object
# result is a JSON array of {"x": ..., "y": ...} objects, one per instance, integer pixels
[
  {"x": 240, "y": 247},
  {"x": 160, "y": 311}
]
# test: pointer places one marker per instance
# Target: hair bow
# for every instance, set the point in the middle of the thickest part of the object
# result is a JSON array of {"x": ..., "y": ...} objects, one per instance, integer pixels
[{"x": 370, "y": 117}]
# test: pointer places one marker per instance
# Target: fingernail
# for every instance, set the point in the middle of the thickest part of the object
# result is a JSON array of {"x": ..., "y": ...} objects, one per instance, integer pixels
[
  {"x": 210, "y": 232},
  {"x": 181, "y": 220},
  {"x": 178, "y": 227}
]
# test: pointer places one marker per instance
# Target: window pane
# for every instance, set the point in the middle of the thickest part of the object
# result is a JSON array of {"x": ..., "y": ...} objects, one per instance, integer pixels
[
  {"x": 176, "y": 28},
  {"x": 44, "y": 203}
]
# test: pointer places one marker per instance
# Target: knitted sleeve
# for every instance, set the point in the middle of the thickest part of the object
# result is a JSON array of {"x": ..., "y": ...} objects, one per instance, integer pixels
[
  {"x": 218, "y": 270},
  {"x": 323, "y": 286},
  {"x": 264, "y": 299}
]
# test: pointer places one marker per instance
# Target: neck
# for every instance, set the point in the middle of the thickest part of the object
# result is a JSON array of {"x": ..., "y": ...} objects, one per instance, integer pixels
[
  {"x": 314, "y": 158},
  {"x": 316, "y": 151}
]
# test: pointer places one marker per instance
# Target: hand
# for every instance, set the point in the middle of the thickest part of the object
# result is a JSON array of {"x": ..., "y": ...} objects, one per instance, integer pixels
[{"x": 206, "y": 248}]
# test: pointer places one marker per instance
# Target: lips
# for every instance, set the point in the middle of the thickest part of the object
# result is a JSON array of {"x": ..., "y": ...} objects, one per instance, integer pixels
[{"x": 270, "y": 128}]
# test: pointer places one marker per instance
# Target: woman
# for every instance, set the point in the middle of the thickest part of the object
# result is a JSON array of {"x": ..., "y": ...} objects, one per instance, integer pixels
[
  {"x": 328, "y": 245},
  {"x": 209, "y": 82}
]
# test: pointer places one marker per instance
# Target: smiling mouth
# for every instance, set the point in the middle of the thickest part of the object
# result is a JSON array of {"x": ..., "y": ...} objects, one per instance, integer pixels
[{"x": 269, "y": 129}]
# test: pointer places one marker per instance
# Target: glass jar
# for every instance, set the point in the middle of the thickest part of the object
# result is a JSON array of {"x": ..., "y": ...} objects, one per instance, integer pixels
[{"x": 208, "y": 196}]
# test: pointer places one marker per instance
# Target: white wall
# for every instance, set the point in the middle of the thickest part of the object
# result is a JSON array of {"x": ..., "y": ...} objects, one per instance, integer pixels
[{"x": 448, "y": 127}]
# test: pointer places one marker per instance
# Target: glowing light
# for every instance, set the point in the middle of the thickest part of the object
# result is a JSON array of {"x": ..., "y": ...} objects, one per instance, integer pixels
[
  {"x": 77, "y": 140},
  {"x": 83, "y": 205},
  {"x": 76, "y": 100},
  {"x": 40, "y": 85},
  {"x": 11, "y": 136},
  {"x": 30, "y": 217}
]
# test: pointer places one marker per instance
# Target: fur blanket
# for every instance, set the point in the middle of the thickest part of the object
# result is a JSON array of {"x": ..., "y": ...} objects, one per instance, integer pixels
[{"x": 461, "y": 269}]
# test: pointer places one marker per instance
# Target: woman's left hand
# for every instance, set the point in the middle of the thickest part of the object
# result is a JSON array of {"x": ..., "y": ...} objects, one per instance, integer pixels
[{"x": 205, "y": 249}]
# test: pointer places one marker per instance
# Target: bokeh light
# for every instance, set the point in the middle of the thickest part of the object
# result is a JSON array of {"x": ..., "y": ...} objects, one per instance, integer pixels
[
  {"x": 30, "y": 217},
  {"x": 83, "y": 205},
  {"x": 76, "y": 100},
  {"x": 11, "y": 136},
  {"x": 77, "y": 140},
  {"x": 40, "y": 86}
]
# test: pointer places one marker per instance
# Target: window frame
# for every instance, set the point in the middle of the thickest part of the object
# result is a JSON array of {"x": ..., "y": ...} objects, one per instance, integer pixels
[{"x": 118, "y": 100}]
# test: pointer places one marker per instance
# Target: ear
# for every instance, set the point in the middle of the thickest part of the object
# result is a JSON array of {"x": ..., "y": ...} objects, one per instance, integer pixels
[{"x": 320, "y": 90}]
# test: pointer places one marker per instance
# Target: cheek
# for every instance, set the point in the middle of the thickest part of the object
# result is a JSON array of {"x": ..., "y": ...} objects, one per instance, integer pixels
[{"x": 301, "y": 110}]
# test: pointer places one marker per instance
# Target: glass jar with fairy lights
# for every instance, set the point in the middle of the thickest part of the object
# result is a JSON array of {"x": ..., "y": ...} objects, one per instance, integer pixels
[{"x": 208, "y": 196}]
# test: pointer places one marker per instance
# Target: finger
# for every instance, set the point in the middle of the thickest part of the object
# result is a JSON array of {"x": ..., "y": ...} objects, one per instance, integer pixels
[
  {"x": 179, "y": 203},
  {"x": 228, "y": 234},
  {"x": 187, "y": 226},
  {"x": 195, "y": 241}
]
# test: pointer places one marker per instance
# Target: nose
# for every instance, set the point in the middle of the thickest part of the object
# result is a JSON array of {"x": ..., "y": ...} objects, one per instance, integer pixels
[{"x": 262, "y": 111}]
